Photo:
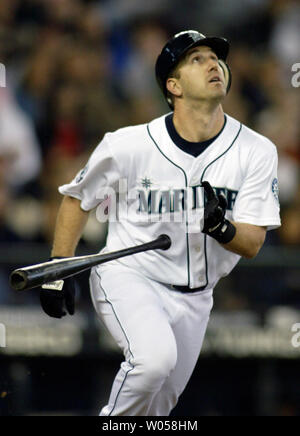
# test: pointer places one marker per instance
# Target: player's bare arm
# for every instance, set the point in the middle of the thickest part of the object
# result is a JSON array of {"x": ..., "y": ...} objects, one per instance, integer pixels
[
  {"x": 58, "y": 298},
  {"x": 71, "y": 220},
  {"x": 247, "y": 241}
]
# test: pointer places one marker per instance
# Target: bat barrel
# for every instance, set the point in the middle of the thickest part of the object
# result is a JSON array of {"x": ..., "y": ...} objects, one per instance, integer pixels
[{"x": 36, "y": 275}]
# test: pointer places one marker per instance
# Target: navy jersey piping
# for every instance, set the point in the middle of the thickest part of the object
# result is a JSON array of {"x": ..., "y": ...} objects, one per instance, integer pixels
[
  {"x": 201, "y": 179},
  {"x": 186, "y": 185},
  {"x": 127, "y": 340}
]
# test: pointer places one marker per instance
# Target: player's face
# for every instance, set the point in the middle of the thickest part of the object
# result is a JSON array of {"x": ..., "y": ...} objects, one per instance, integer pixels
[{"x": 200, "y": 75}]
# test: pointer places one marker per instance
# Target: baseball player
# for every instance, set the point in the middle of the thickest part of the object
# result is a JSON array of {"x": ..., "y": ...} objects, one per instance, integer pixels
[{"x": 195, "y": 174}]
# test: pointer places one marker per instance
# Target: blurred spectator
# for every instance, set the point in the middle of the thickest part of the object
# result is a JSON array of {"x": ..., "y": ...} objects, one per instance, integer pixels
[
  {"x": 284, "y": 39},
  {"x": 138, "y": 82},
  {"x": 36, "y": 85},
  {"x": 19, "y": 149},
  {"x": 7, "y": 11},
  {"x": 118, "y": 11},
  {"x": 64, "y": 14},
  {"x": 92, "y": 26},
  {"x": 279, "y": 124},
  {"x": 290, "y": 230},
  {"x": 20, "y": 163}
]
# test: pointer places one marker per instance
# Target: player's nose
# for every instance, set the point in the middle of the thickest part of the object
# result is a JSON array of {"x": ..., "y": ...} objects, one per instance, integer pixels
[
  {"x": 215, "y": 70},
  {"x": 212, "y": 65}
]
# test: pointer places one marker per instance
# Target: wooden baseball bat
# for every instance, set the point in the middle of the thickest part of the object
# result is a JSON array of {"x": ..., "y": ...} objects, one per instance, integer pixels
[{"x": 36, "y": 275}]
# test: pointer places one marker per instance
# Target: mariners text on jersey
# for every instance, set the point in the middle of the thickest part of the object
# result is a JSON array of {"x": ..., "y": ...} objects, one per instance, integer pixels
[{"x": 155, "y": 201}]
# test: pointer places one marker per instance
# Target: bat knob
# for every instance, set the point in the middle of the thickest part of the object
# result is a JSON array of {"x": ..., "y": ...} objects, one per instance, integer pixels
[{"x": 165, "y": 241}]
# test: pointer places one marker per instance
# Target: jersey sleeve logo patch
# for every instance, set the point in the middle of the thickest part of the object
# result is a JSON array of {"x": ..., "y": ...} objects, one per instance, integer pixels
[
  {"x": 275, "y": 189},
  {"x": 81, "y": 174}
]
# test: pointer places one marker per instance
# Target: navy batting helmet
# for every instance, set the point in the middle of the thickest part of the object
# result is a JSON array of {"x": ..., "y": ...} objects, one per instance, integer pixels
[{"x": 177, "y": 46}]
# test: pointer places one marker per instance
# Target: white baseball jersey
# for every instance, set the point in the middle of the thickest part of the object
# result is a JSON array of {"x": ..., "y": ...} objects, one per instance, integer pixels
[{"x": 158, "y": 186}]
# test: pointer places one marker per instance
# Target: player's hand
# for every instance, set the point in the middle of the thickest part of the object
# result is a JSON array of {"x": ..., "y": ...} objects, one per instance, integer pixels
[
  {"x": 214, "y": 210},
  {"x": 215, "y": 223},
  {"x": 57, "y": 297}
]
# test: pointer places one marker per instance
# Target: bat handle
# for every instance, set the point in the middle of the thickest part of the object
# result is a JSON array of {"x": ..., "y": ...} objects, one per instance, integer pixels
[{"x": 36, "y": 275}]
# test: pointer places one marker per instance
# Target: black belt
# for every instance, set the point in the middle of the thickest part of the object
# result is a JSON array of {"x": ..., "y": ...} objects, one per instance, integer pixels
[{"x": 187, "y": 288}]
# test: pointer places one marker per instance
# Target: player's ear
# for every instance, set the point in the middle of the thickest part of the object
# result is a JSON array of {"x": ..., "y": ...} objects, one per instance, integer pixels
[{"x": 173, "y": 86}]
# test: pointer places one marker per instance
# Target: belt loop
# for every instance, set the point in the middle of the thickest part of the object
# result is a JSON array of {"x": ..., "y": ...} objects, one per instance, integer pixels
[{"x": 187, "y": 289}]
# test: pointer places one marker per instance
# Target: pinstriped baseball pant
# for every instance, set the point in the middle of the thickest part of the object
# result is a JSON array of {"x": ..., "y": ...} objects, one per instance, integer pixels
[{"x": 160, "y": 332}]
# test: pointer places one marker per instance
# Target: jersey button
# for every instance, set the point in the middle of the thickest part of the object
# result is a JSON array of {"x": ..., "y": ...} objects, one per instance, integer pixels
[{"x": 198, "y": 249}]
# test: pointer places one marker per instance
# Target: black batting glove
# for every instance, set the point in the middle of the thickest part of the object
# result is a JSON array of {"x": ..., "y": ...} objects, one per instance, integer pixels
[
  {"x": 215, "y": 223},
  {"x": 57, "y": 296}
]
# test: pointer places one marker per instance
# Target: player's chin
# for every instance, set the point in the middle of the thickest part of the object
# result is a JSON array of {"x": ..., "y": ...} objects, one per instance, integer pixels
[{"x": 218, "y": 91}]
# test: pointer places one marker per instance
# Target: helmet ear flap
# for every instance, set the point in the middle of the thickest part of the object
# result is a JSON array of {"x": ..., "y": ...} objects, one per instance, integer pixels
[{"x": 227, "y": 73}]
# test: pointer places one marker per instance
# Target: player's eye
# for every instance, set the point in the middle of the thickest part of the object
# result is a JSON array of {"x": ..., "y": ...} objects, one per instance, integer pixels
[{"x": 196, "y": 58}]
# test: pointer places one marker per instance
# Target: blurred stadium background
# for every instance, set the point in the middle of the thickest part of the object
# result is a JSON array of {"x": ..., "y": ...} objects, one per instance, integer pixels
[{"x": 76, "y": 69}]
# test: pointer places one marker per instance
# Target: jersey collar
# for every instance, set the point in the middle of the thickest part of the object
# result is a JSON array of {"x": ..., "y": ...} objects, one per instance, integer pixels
[{"x": 160, "y": 135}]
